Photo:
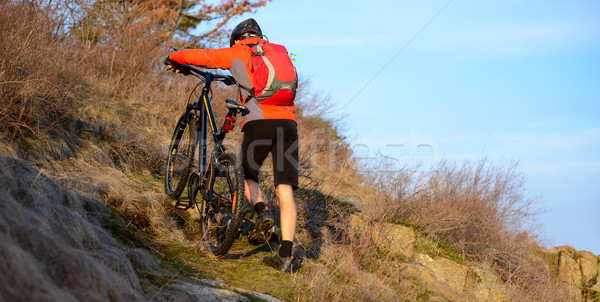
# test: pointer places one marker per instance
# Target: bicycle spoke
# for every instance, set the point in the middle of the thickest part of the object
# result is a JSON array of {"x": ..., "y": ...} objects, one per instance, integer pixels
[{"x": 227, "y": 186}]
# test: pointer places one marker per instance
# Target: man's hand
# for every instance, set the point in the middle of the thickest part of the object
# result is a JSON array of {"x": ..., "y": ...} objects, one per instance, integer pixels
[{"x": 172, "y": 65}]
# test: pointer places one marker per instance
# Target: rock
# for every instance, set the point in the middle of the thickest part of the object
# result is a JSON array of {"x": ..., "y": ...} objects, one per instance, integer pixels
[
  {"x": 423, "y": 259},
  {"x": 571, "y": 251},
  {"x": 445, "y": 270},
  {"x": 594, "y": 291},
  {"x": 425, "y": 278},
  {"x": 587, "y": 255},
  {"x": 357, "y": 224},
  {"x": 588, "y": 263},
  {"x": 568, "y": 270},
  {"x": 395, "y": 239},
  {"x": 489, "y": 287},
  {"x": 209, "y": 294},
  {"x": 418, "y": 271},
  {"x": 451, "y": 272},
  {"x": 570, "y": 274},
  {"x": 207, "y": 290}
]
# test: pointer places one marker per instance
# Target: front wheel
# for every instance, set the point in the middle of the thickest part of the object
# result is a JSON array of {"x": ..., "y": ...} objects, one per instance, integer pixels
[
  {"x": 223, "y": 204},
  {"x": 180, "y": 158}
]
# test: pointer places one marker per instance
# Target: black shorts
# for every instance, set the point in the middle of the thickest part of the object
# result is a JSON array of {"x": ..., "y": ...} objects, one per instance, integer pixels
[{"x": 280, "y": 138}]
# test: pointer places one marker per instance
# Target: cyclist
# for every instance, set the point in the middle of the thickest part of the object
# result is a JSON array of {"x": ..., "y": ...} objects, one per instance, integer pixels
[{"x": 269, "y": 127}]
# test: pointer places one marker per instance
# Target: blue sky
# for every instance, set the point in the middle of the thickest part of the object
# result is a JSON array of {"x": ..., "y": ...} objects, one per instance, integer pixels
[{"x": 507, "y": 80}]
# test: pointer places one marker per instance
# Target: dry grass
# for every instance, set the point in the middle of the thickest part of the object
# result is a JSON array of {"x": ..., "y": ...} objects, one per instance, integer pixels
[{"x": 39, "y": 81}]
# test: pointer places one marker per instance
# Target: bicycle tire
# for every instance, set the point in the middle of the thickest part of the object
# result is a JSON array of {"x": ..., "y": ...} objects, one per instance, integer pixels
[
  {"x": 221, "y": 222},
  {"x": 180, "y": 158}
]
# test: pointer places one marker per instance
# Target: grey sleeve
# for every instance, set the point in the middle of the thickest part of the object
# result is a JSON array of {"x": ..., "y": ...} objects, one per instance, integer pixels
[{"x": 238, "y": 70}]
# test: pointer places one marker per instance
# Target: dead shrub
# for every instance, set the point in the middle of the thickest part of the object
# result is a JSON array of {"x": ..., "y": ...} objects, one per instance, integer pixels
[
  {"x": 38, "y": 81},
  {"x": 473, "y": 208}
]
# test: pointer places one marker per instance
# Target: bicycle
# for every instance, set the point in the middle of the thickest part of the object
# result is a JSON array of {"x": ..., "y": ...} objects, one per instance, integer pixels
[{"x": 219, "y": 177}]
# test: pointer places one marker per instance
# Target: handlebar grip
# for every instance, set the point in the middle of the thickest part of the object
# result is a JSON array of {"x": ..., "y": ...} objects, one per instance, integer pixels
[
  {"x": 184, "y": 70},
  {"x": 232, "y": 105},
  {"x": 229, "y": 81}
]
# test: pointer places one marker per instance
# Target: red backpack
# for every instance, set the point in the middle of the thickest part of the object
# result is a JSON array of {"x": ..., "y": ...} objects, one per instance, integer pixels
[{"x": 275, "y": 78}]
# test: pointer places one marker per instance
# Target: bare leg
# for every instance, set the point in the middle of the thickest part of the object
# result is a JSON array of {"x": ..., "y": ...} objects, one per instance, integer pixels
[
  {"x": 287, "y": 207},
  {"x": 253, "y": 192},
  {"x": 283, "y": 260}
]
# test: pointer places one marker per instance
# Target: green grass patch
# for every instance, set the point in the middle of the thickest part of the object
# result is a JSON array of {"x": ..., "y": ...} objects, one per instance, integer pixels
[
  {"x": 146, "y": 181},
  {"x": 241, "y": 268},
  {"x": 424, "y": 294},
  {"x": 405, "y": 223},
  {"x": 435, "y": 248}
]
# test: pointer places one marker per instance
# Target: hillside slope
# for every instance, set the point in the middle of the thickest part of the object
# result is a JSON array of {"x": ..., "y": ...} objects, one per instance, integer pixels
[{"x": 58, "y": 245}]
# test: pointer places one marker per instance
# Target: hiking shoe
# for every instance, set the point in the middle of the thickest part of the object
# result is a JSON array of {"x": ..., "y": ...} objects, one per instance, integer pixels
[
  {"x": 263, "y": 225},
  {"x": 283, "y": 264}
]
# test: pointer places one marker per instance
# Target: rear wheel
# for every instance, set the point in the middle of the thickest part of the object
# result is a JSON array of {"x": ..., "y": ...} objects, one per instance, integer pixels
[
  {"x": 222, "y": 208},
  {"x": 180, "y": 158}
]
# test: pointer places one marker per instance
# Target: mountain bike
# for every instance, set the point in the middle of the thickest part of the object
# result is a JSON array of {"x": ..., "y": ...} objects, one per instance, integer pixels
[{"x": 216, "y": 176}]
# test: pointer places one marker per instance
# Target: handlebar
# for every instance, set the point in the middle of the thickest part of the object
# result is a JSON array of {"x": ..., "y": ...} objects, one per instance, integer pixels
[{"x": 189, "y": 70}]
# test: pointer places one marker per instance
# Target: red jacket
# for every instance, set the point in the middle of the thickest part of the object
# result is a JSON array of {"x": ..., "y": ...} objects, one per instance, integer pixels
[{"x": 223, "y": 58}]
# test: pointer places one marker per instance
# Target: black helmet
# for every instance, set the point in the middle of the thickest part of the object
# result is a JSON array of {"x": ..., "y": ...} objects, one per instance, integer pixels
[{"x": 249, "y": 26}]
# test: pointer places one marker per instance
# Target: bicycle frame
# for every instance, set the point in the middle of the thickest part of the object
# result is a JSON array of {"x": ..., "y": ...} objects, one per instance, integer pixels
[
  {"x": 206, "y": 117},
  {"x": 202, "y": 109}
]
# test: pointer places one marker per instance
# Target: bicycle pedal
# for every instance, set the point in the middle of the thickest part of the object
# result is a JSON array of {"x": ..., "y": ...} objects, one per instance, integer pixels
[{"x": 183, "y": 204}]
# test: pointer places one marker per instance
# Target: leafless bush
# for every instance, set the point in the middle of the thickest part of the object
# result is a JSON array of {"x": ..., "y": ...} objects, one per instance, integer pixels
[
  {"x": 38, "y": 81},
  {"x": 471, "y": 207},
  {"x": 524, "y": 265}
]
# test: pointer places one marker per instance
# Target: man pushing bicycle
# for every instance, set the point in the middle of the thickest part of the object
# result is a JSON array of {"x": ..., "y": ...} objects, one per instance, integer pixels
[{"x": 268, "y": 80}]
